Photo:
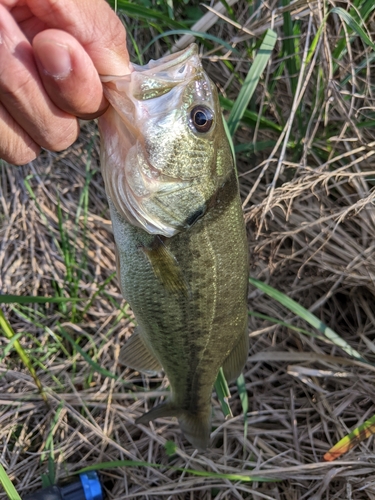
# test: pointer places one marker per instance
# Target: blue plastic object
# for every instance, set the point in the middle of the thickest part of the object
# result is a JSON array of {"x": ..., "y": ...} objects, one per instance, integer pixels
[
  {"x": 91, "y": 485},
  {"x": 84, "y": 487}
]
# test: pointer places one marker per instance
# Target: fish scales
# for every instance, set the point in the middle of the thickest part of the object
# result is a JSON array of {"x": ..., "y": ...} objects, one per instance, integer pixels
[{"x": 186, "y": 282}]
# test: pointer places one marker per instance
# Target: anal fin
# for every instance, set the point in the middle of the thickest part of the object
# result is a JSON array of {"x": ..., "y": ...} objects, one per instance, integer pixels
[
  {"x": 163, "y": 410},
  {"x": 137, "y": 355},
  {"x": 235, "y": 361}
]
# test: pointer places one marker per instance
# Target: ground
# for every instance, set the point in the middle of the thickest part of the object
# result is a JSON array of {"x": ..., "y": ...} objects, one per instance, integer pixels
[{"x": 307, "y": 180}]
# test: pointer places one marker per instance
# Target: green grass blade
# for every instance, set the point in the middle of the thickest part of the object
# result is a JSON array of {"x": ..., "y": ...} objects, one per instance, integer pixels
[
  {"x": 28, "y": 299},
  {"x": 98, "y": 291},
  {"x": 360, "y": 67},
  {"x": 306, "y": 315},
  {"x": 241, "y": 386},
  {"x": 7, "y": 484},
  {"x": 352, "y": 23},
  {"x": 201, "y": 473},
  {"x": 357, "y": 13},
  {"x": 223, "y": 394},
  {"x": 366, "y": 8},
  {"x": 197, "y": 34},
  {"x": 95, "y": 366},
  {"x": 9, "y": 346},
  {"x": 230, "y": 140},
  {"x": 136, "y": 47},
  {"x": 366, "y": 124},
  {"x": 48, "y": 479},
  {"x": 139, "y": 11},
  {"x": 250, "y": 117},
  {"x": 228, "y": 8},
  {"x": 251, "y": 80},
  {"x": 348, "y": 442},
  {"x": 253, "y": 147},
  {"x": 289, "y": 47},
  {"x": 48, "y": 444},
  {"x": 287, "y": 325},
  {"x": 9, "y": 334},
  {"x": 42, "y": 214},
  {"x": 314, "y": 43}
]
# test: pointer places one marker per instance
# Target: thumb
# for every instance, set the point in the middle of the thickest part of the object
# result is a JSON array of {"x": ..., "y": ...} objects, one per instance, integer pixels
[{"x": 68, "y": 74}]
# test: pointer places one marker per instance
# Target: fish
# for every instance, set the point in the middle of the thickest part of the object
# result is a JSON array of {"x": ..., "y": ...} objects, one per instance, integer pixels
[{"x": 181, "y": 245}]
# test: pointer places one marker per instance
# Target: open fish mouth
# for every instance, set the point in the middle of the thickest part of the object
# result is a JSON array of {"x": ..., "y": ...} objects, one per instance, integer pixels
[{"x": 158, "y": 77}]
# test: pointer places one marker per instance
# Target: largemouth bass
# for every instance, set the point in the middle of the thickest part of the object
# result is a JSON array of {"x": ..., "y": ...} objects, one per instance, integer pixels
[{"x": 182, "y": 257}]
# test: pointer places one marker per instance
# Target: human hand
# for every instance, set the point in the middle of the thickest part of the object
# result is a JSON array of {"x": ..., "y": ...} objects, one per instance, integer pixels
[{"x": 51, "y": 55}]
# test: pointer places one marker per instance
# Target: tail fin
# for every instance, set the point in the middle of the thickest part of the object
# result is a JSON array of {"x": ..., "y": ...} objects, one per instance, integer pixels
[{"x": 196, "y": 428}]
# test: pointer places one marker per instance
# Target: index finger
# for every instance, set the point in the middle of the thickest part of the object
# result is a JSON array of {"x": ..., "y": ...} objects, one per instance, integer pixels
[{"x": 93, "y": 23}]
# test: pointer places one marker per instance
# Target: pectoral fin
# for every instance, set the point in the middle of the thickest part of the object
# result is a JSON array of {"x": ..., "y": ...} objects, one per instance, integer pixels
[
  {"x": 166, "y": 267},
  {"x": 234, "y": 363},
  {"x": 136, "y": 354}
]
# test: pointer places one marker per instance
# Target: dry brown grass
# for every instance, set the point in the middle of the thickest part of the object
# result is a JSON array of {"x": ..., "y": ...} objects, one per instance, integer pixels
[{"x": 312, "y": 224}]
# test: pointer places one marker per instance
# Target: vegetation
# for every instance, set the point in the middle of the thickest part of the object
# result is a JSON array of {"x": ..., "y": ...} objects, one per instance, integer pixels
[{"x": 304, "y": 138}]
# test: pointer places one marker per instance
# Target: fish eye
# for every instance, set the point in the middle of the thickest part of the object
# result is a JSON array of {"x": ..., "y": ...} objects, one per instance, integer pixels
[{"x": 201, "y": 118}]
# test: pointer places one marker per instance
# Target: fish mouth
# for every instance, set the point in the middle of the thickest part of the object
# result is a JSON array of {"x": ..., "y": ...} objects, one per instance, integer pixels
[
  {"x": 162, "y": 68},
  {"x": 166, "y": 63}
]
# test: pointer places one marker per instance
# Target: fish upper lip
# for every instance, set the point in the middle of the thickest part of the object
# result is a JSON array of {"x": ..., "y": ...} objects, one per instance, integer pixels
[
  {"x": 170, "y": 60},
  {"x": 107, "y": 78}
]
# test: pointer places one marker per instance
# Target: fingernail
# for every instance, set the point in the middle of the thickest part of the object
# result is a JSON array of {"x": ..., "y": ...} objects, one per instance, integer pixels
[{"x": 55, "y": 59}]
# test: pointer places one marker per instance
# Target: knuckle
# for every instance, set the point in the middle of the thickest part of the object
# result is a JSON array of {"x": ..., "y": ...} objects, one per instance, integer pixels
[
  {"x": 61, "y": 135},
  {"x": 14, "y": 92}
]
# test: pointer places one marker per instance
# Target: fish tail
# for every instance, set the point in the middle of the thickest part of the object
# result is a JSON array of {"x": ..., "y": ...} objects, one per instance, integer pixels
[{"x": 195, "y": 427}]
